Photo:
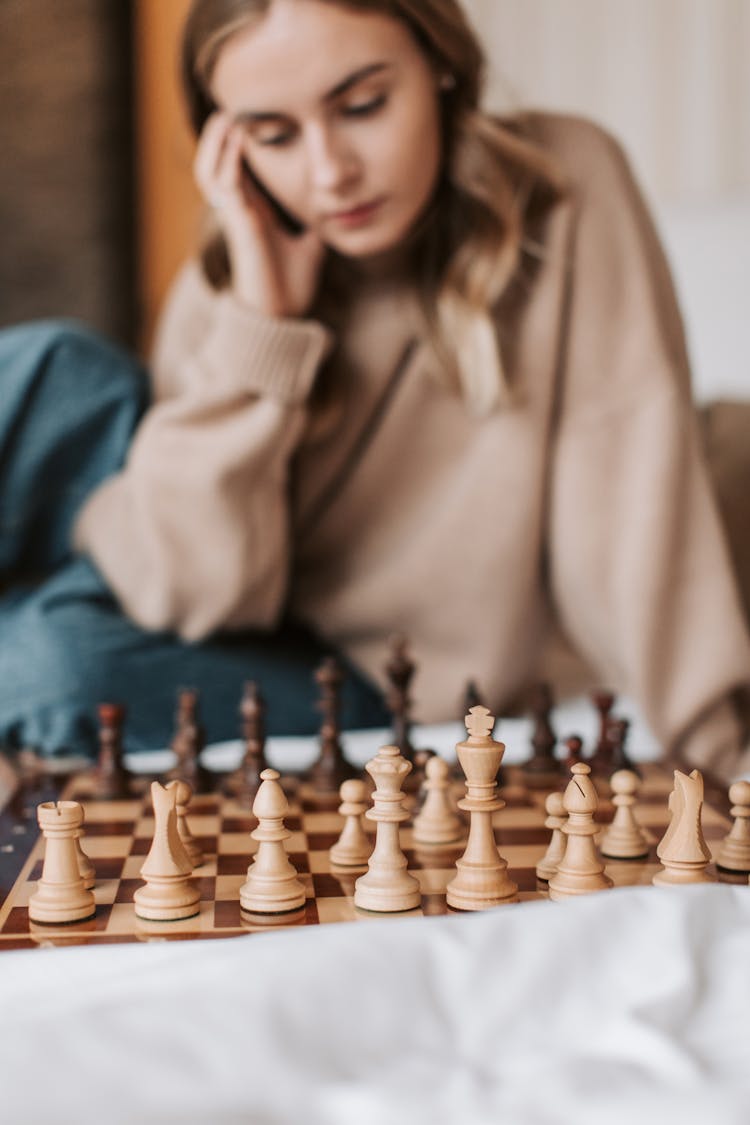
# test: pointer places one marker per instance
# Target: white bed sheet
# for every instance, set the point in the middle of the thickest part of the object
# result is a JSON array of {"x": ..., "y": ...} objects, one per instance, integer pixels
[{"x": 621, "y": 1007}]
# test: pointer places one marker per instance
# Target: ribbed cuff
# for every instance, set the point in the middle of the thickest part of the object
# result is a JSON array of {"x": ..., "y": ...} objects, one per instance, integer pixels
[{"x": 266, "y": 355}]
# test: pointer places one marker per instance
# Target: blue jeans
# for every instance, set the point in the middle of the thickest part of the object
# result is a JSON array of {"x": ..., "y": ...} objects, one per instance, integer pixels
[{"x": 69, "y": 402}]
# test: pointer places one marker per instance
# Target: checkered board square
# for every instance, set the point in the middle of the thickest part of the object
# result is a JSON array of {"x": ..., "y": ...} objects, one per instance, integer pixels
[{"x": 118, "y": 837}]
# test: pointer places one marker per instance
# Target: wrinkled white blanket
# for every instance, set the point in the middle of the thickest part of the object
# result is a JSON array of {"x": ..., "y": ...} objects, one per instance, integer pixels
[{"x": 625, "y": 1006}]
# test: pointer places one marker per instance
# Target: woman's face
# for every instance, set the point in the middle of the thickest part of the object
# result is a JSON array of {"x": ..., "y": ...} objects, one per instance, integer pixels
[{"x": 340, "y": 116}]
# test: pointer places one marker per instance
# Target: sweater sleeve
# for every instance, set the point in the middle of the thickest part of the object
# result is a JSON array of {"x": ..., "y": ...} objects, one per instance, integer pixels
[
  {"x": 192, "y": 534},
  {"x": 639, "y": 568}
]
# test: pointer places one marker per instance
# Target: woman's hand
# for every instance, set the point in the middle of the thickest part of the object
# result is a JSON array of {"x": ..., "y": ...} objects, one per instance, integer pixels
[{"x": 272, "y": 271}]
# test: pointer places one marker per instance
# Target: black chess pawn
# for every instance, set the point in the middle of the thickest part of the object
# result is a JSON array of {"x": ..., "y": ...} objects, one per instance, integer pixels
[
  {"x": 601, "y": 759},
  {"x": 543, "y": 764},
  {"x": 400, "y": 671},
  {"x": 111, "y": 779},
  {"x": 331, "y": 768},
  {"x": 574, "y": 746},
  {"x": 617, "y": 735},
  {"x": 472, "y": 698},
  {"x": 419, "y": 770},
  {"x": 188, "y": 741},
  {"x": 245, "y": 781}
]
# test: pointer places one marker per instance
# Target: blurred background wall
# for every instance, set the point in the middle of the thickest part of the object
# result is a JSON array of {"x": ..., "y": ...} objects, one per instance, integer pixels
[
  {"x": 97, "y": 206},
  {"x": 670, "y": 77},
  {"x": 66, "y": 190}
]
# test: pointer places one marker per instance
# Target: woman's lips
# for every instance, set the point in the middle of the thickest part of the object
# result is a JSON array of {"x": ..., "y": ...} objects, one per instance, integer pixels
[{"x": 357, "y": 216}]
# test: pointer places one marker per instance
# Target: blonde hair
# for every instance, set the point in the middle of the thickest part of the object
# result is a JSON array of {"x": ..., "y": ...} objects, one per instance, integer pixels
[{"x": 494, "y": 176}]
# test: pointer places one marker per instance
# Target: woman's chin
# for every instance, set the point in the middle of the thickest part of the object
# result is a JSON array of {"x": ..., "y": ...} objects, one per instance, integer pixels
[{"x": 371, "y": 248}]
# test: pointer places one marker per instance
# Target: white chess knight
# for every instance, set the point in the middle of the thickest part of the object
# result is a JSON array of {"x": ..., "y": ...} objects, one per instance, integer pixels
[
  {"x": 683, "y": 850},
  {"x": 169, "y": 894}
]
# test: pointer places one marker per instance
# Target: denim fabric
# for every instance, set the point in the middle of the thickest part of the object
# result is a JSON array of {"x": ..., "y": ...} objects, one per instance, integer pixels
[{"x": 69, "y": 402}]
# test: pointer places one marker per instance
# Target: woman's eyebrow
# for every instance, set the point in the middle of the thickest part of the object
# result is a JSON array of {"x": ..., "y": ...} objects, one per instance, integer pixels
[
  {"x": 250, "y": 117},
  {"x": 357, "y": 76}
]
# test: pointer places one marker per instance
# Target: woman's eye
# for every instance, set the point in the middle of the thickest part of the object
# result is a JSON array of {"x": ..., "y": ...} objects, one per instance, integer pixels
[
  {"x": 274, "y": 139},
  {"x": 361, "y": 109}
]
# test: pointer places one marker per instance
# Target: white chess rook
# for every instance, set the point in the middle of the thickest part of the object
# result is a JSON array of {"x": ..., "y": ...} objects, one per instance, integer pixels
[
  {"x": 272, "y": 885},
  {"x": 387, "y": 887},
  {"x": 61, "y": 895},
  {"x": 481, "y": 879}
]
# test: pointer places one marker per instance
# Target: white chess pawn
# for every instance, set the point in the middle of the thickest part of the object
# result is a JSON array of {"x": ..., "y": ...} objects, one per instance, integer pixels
[
  {"x": 169, "y": 894},
  {"x": 61, "y": 894},
  {"x": 184, "y": 792},
  {"x": 353, "y": 847},
  {"x": 481, "y": 878},
  {"x": 624, "y": 838},
  {"x": 85, "y": 866},
  {"x": 556, "y": 817},
  {"x": 387, "y": 886},
  {"x": 581, "y": 870},
  {"x": 735, "y": 850},
  {"x": 683, "y": 849},
  {"x": 437, "y": 822},
  {"x": 272, "y": 885}
]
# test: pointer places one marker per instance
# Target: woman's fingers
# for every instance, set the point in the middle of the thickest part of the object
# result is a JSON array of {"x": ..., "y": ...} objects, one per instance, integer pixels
[
  {"x": 209, "y": 152},
  {"x": 228, "y": 178},
  {"x": 272, "y": 270}
]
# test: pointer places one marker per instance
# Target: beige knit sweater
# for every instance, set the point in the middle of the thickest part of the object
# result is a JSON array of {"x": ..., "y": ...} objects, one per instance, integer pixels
[{"x": 392, "y": 509}]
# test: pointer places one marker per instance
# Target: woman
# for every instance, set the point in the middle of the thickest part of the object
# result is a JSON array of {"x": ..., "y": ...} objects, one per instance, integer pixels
[{"x": 428, "y": 376}]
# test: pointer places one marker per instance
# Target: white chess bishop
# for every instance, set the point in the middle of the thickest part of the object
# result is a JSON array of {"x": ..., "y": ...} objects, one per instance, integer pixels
[
  {"x": 272, "y": 885},
  {"x": 581, "y": 869}
]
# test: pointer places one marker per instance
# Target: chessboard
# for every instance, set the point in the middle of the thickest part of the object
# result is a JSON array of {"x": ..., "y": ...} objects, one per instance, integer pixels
[{"x": 118, "y": 837}]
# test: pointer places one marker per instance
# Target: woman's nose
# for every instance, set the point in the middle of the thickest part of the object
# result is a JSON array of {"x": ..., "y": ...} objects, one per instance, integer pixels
[{"x": 333, "y": 163}]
